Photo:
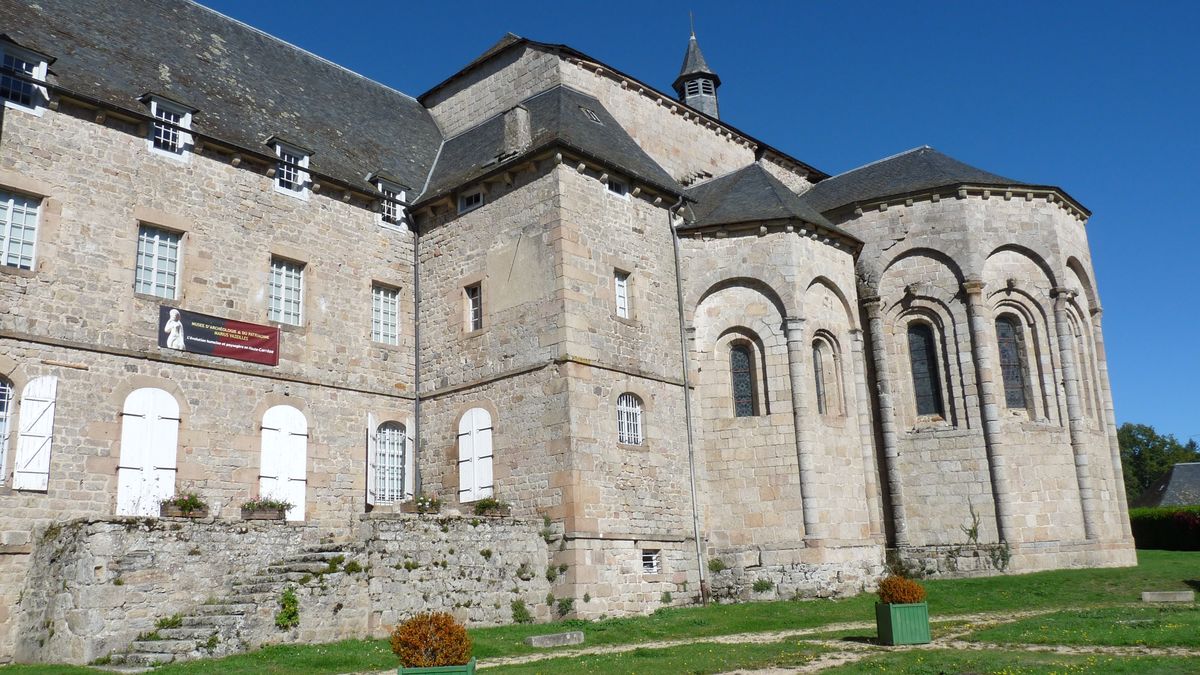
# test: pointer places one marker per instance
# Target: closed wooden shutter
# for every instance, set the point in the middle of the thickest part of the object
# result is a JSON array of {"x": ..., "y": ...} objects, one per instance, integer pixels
[
  {"x": 284, "y": 470},
  {"x": 474, "y": 455},
  {"x": 35, "y": 436},
  {"x": 410, "y": 464},
  {"x": 149, "y": 447},
  {"x": 372, "y": 460}
]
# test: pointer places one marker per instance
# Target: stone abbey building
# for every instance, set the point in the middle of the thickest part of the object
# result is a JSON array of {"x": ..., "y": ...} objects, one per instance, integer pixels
[{"x": 230, "y": 267}]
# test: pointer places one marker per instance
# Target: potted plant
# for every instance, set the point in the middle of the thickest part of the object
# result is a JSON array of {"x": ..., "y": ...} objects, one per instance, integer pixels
[
  {"x": 423, "y": 503},
  {"x": 432, "y": 643},
  {"x": 265, "y": 508},
  {"x": 902, "y": 615},
  {"x": 188, "y": 505},
  {"x": 490, "y": 506}
]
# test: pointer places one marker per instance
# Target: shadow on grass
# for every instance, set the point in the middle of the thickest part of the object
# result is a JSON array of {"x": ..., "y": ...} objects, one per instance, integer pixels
[
  {"x": 862, "y": 639},
  {"x": 1194, "y": 583}
]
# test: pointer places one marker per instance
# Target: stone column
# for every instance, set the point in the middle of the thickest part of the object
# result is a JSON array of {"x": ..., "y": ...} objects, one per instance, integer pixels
[
  {"x": 1110, "y": 419},
  {"x": 862, "y": 403},
  {"x": 793, "y": 329},
  {"x": 1075, "y": 422},
  {"x": 887, "y": 420},
  {"x": 983, "y": 355}
]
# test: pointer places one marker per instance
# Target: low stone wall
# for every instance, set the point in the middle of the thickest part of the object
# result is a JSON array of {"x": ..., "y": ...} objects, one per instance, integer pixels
[
  {"x": 974, "y": 559},
  {"x": 782, "y": 573}
]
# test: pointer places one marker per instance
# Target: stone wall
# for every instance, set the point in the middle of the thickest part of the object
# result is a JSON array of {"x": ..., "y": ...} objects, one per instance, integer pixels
[{"x": 107, "y": 581}]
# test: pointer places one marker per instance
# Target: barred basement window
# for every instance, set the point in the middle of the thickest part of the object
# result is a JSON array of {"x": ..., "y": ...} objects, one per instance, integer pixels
[
  {"x": 157, "y": 269},
  {"x": 385, "y": 312},
  {"x": 389, "y": 463},
  {"x": 651, "y": 561},
  {"x": 927, "y": 387},
  {"x": 6, "y": 395},
  {"x": 621, "y": 293},
  {"x": 18, "y": 229},
  {"x": 741, "y": 371},
  {"x": 286, "y": 291},
  {"x": 629, "y": 419},
  {"x": 1012, "y": 361}
]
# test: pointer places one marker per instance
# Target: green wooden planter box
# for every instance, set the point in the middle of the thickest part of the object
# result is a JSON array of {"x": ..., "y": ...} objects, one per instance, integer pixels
[
  {"x": 468, "y": 669},
  {"x": 902, "y": 624}
]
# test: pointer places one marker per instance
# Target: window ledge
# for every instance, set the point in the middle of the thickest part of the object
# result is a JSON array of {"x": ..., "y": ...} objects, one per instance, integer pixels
[
  {"x": 18, "y": 272},
  {"x": 157, "y": 299},
  {"x": 630, "y": 446},
  {"x": 36, "y": 111},
  {"x": 628, "y": 321},
  {"x": 474, "y": 333},
  {"x": 288, "y": 327}
]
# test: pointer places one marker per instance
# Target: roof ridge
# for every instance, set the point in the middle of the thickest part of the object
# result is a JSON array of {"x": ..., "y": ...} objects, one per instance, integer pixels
[
  {"x": 881, "y": 161},
  {"x": 302, "y": 50}
]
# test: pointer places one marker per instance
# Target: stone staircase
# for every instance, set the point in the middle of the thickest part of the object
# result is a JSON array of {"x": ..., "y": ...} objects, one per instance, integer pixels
[{"x": 227, "y": 624}]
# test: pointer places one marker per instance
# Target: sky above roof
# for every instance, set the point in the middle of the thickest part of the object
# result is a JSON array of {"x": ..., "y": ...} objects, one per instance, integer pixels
[{"x": 1097, "y": 97}]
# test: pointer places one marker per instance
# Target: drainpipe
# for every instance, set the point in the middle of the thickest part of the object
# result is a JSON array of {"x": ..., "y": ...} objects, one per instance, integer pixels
[
  {"x": 687, "y": 397},
  {"x": 417, "y": 486}
]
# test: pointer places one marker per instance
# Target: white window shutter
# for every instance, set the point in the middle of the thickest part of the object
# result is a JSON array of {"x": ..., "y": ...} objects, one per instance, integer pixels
[
  {"x": 466, "y": 458},
  {"x": 164, "y": 448},
  {"x": 149, "y": 445},
  {"x": 372, "y": 459},
  {"x": 284, "y": 472},
  {"x": 271, "y": 460},
  {"x": 131, "y": 467},
  {"x": 410, "y": 463},
  {"x": 475, "y": 455},
  {"x": 35, "y": 438},
  {"x": 483, "y": 456}
]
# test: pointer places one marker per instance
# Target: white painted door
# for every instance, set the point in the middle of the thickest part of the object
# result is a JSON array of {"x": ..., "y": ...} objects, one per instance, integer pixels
[
  {"x": 475, "y": 455},
  {"x": 284, "y": 470},
  {"x": 149, "y": 446},
  {"x": 35, "y": 436}
]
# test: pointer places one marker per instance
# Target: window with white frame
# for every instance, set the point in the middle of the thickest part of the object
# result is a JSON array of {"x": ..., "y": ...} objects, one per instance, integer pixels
[
  {"x": 157, "y": 270},
  {"x": 621, "y": 293},
  {"x": 385, "y": 313},
  {"x": 17, "y": 68},
  {"x": 389, "y": 463},
  {"x": 286, "y": 291},
  {"x": 629, "y": 419},
  {"x": 469, "y": 201},
  {"x": 473, "y": 306},
  {"x": 391, "y": 211},
  {"x": 18, "y": 229},
  {"x": 291, "y": 176},
  {"x": 651, "y": 561},
  {"x": 168, "y": 133},
  {"x": 6, "y": 396},
  {"x": 618, "y": 187}
]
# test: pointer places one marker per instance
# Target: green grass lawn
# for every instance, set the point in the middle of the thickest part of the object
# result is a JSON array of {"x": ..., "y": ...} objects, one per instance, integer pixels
[
  {"x": 1154, "y": 626},
  {"x": 1061, "y": 589},
  {"x": 698, "y": 658},
  {"x": 996, "y": 662}
]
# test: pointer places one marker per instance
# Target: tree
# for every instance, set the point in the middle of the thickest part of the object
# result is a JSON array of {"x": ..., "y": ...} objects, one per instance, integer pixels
[{"x": 1147, "y": 455}]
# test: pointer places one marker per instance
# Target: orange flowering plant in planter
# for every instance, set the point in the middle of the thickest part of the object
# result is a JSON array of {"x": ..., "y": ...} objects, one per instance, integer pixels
[
  {"x": 432, "y": 642},
  {"x": 902, "y": 615}
]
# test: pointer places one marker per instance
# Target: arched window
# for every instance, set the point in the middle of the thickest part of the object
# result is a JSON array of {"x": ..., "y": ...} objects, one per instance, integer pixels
[
  {"x": 629, "y": 419},
  {"x": 1011, "y": 340},
  {"x": 6, "y": 395},
  {"x": 826, "y": 378},
  {"x": 283, "y": 473},
  {"x": 149, "y": 444},
  {"x": 474, "y": 455},
  {"x": 1083, "y": 372},
  {"x": 741, "y": 371},
  {"x": 927, "y": 386}
]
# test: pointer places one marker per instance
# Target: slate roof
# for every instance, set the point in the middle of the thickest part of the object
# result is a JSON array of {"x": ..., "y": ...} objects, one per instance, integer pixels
[
  {"x": 694, "y": 64},
  {"x": 916, "y": 170},
  {"x": 750, "y": 194},
  {"x": 246, "y": 85},
  {"x": 1180, "y": 487},
  {"x": 556, "y": 116}
]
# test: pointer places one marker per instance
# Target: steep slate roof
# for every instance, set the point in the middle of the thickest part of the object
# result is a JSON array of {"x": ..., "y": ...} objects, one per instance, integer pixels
[
  {"x": 750, "y": 194},
  {"x": 555, "y": 117},
  {"x": 1180, "y": 487},
  {"x": 245, "y": 84},
  {"x": 918, "y": 169},
  {"x": 694, "y": 64}
]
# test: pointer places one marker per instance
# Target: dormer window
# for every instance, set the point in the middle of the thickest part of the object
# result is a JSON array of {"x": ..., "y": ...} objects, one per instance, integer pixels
[
  {"x": 291, "y": 175},
  {"x": 169, "y": 131},
  {"x": 17, "y": 67},
  {"x": 469, "y": 201},
  {"x": 618, "y": 187},
  {"x": 391, "y": 211}
]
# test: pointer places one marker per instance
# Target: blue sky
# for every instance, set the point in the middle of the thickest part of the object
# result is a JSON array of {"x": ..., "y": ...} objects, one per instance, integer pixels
[{"x": 1100, "y": 98}]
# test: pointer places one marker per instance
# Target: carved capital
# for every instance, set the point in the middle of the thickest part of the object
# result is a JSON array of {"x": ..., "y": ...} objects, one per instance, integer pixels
[{"x": 973, "y": 287}]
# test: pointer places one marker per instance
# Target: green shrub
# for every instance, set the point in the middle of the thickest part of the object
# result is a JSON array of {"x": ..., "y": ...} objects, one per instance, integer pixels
[
  {"x": 665, "y": 598},
  {"x": 289, "y": 609},
  {"x": 565, "y": 605},
  {"x": 716, "y": 565},
  {"x": 490, "y": 506},
  {"x": 551, "y": 574},
  {"x": 1171, "y": 528},
  {"x": 173, "y": 621},
  {"x": 186, "y": 502},
  {"x": 267, "y": 504},
  {"x": 334, "y": 563},
  {"x": 431, "y": 640},
  {"x": 352, "y": 567},
  {"x": 763, "y": 585},
  {"x": 486, "y": 553},
  {"x": 520, "y": 612}
]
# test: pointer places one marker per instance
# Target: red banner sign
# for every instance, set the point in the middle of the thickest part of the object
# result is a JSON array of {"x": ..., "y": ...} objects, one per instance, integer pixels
[{"x": 212, "y": 335}]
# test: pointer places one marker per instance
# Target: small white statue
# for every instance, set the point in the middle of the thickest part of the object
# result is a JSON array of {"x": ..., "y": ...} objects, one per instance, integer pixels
[{"x": 174, "y": 331}]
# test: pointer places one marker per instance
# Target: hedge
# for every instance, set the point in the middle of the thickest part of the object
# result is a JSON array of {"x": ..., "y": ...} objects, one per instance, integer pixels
[{"x": 1173, "y": 528}]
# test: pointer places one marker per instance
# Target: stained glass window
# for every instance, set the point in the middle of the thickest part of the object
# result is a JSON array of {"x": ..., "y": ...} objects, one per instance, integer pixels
[
  {"x": 1012, "y": 361},
  {"x": 923, "y": 355},
  {"x": 741, "y": 367}
]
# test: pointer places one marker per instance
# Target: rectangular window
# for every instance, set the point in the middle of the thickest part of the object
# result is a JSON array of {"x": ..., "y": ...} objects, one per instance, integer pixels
[
  {"x": 621, "y": 293},
  {"x": 618, "y": 187},
  {"x": 390, "y": 463},
  {"x": 168, "y": 135},
  {"x": 286, "y": 291},
  {"x": 651, "y": 561},
  {"x": 473, "y": 296},
  {"x": 18, "y": 229},
  {"x": 470, "y": 201},
  {"x": 290, "y": 175},
  {"x": 390, "y": 210},
  {"x": 385, "y": 312},
  {"x": 15, "y": 67},
  {"x": 157, "y": 270}
]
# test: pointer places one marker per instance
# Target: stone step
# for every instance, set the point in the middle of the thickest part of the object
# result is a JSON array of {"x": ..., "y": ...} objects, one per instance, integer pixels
[
  {"x": 224, "y": 608},
  {"x": 188, "y": 633},
  {"x": 143, "y": 659},
  {"x": 163, "y": 646},
  {"x": 300, "y": 567},
  {"x": 268, "y": 578},
  {"x": 317, "y": 556},
  {"x": 243, "y": 589},
  {"x": 325, "y": 548},
  {"x": 213, "y": 621}
]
